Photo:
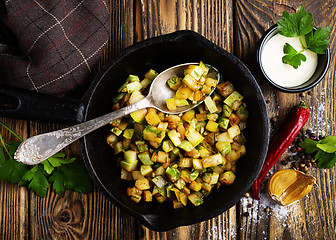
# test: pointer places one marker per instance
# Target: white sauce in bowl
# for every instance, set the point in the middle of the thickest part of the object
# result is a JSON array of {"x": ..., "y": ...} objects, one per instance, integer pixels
[{"x": 283, "y": 74}]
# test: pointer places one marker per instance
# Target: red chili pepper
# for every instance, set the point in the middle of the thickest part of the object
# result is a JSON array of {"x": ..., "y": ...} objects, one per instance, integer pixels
[{"x": 296, "y": 120}]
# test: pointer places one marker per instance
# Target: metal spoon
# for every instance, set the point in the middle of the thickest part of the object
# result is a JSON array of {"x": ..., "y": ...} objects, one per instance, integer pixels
[{"x": 38, "y": 148}]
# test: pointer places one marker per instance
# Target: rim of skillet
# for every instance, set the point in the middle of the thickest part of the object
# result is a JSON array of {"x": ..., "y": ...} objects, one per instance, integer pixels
[{"x": 145, "y": 219}]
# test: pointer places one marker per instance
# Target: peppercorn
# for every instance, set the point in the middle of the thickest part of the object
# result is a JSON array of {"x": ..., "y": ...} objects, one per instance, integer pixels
[
  {"x": 246, "y": 214},
  {"x": 284, "y": 162},
  {"x": 268, "y": 101},
  {"x": 274, "y": 120}
]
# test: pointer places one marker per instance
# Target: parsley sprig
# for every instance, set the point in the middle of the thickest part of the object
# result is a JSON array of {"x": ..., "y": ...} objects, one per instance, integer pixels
[
  {"x": 300, "y": 24},
  {"x": 61, "y": 172},
  {"x": 325, "y": 150}
]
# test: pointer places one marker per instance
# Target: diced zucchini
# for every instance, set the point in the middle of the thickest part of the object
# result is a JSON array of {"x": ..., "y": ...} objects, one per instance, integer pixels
[
  {"x": 145, "y": 170},
  {"x": 204, "y": 69},
  {"x": 173, "y": 174},
  {"x": 137, "y": 175},
  {"x": 197, "y": 164},
  {"x": 160, "y": 171},
  {"x": 225, "y": 88},
  {"x": 242, "y": 113},
  {"x": 223, "y": 147},
  {"x": 130, "y": 156},
  {"x": 185, "y": 162},
  {"x": 111, "y": 139},
  {"x": 183, "y": 92},
  {"x": 193, "y": 175},
  {"x": 195, "y": 199},
  {"x": 139, "y": 115},
  {"x": 135, "y": 97},
  {"x": 203, "y": 151},
  {"x": 189, "y": 115},
  {"x": 145, "y": 158},
  {"x": 118, "y": 147},
  {"x": 151, "y": 74},
  {"x": 223, "y": 122},
  {"x": 126, "y": 175},
  {"x": 152, "y": 118},
  {"x": 196, "y": 186},
  {"x": 233, "y": 131},
  {"x": 193, "y": 136},
  {"x": 224, "y": 137},
  {"x": 226, "y": 111},
  {"x": 128, "y": 166},
  {"x": 233, "y": 97},
  {"x": 191, "y": 82},
  {"x": 227, "y": 178},
  {"x": 142, "y": 184},
  {"x": 147, "y": 196},
  {"x": 145, "y": 83},
  {"x": 159, "y": 181},
  {"x": 163, "y": 157},
  {"x": 174, "y": 82},
  {"x": 171, "y": 104},
  {"x": 212, "y": 160},
  {"x": 118, "y": 97},
  {"x": 116, "y": 131},
  {"x": 167, "y": 146},
  {"x": 128, "y": 133},
  {"x": 180, "y": 183},
  {"x": 214, "y": 178},
  {"x": 153, "y": 134},
  {"x": 133, "y": 86},
  {"x": 183, "y": 198},
  {"x": 210, "y": 104},
  {"x": 232, "y": 156},
  {"x": 141, "y": 146},
  {"x": 181, "y": 102},
  {"x": 186, "y": 146},
  {"x": 211, "y": 126}
]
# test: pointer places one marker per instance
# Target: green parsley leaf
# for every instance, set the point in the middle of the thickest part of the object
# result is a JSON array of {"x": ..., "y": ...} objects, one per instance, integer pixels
[
  {"x": 57, "y": 181},
  {"x": 76, "y": 178},
  {"x": 56, "y": 161},
  {"x": 292, "y": 56},
  {"x": 295, "y": 24},
  {"x": 325, "y": 160},
  {"x": 325, "y": 148},
  {"x": 2, "y": 158},
  {"x": 38, "y": 181},
  {"x": 327, "y": 144},
  {"x": 318, "y": 41},
  {"x": 11, "y": 170},
  {"x": 309, "y": 145}
]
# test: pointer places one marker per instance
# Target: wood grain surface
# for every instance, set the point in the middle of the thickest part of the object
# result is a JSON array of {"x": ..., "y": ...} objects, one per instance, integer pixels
[{"x": 236, "y": 26}]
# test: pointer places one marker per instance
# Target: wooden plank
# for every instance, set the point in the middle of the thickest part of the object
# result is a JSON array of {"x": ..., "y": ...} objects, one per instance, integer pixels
[
  {"x": 212, "y": 19},
  {"x": 311, "y": 217},
  {"x": 14, "y": 203},
  {"x": 91, "y": 216}
]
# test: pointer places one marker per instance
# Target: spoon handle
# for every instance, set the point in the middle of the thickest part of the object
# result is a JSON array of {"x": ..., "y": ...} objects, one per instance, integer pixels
[{"x": 39, "y": 148}]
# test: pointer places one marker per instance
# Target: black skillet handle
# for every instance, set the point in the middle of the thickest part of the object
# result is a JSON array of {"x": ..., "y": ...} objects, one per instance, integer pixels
[{"x": 22, "y": 104}]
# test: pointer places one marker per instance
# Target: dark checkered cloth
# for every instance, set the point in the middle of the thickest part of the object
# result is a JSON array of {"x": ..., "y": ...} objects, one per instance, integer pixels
[{"x": 51, "y": 46}]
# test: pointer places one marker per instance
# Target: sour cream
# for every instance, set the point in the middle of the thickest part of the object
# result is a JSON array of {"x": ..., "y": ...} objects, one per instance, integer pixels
[{"x": 283, "y": 74}]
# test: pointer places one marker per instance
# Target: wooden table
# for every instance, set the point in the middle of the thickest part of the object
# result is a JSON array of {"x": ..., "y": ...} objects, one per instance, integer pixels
[{"x": 235, "y": 25}]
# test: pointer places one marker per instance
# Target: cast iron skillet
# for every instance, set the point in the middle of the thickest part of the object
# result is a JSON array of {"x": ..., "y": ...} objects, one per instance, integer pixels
[{"x": 158, "y": 53}]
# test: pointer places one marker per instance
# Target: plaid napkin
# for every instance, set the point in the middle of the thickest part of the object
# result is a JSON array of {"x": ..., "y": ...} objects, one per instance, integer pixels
[{"x": 51, "y": 46}]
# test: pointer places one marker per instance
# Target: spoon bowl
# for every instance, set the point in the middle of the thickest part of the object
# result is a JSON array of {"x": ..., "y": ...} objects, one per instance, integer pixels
[{"x": 38, "y": 148}]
